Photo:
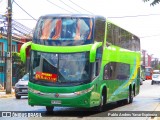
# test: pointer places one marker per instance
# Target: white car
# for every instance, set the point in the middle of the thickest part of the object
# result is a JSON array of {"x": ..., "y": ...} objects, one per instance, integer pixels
[{"x": 155, "y": 77}]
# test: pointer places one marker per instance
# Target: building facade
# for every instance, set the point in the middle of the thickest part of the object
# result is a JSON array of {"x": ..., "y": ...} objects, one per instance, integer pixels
[{"x": 16, "y": 44}]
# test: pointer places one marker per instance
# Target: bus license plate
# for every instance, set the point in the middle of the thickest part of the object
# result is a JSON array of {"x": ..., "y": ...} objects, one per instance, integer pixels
[{"x": 55, "y": 102}]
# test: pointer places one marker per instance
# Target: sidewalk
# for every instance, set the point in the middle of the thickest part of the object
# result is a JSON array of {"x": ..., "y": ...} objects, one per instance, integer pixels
[
  {"x": 4, "y": 95},
  {"x": 157, "y": 109}
]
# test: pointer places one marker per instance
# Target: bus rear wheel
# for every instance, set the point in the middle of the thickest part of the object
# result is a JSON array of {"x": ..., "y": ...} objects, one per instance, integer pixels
[
  {"x": 49, "y": 108},
  {"x": 130, "y": 97}
]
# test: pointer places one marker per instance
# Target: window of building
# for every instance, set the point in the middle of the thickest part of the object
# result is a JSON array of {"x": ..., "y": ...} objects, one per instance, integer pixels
[
  {"x": 1, "y": 49},
  {"x": 14, "y": 48},
  {"x": 1, "y": 68}
]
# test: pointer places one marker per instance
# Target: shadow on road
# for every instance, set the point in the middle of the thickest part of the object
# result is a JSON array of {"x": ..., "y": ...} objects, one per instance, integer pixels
[{"x": 79, "y": 112}]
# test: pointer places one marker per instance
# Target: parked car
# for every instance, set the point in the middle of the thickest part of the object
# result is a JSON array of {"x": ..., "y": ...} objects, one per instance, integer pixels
[
  {"x": 155, "y": 77},
  {"x": 142, "y": 74},
  {"x": 21, "y": 87}
]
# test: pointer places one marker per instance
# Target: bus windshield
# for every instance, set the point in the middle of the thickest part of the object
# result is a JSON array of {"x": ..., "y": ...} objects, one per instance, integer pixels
[
  {"x": 62, "y": 29},
  {"x": 56, "y": 69}
]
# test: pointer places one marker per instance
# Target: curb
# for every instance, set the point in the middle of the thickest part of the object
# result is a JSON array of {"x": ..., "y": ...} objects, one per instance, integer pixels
[{"x": 7, "y": 95}]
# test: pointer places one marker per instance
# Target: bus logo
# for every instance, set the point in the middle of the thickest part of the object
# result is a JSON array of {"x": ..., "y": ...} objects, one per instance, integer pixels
[{"x": 56, "y": 95}]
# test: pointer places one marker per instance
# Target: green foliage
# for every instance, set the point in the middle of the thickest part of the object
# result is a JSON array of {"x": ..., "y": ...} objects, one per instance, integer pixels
[
  {"x": 16, "y": 57},
  {"x": 18, "y": 65},
  {"x": 154, "y": 2},
  {"x": 158, "y": 67}
]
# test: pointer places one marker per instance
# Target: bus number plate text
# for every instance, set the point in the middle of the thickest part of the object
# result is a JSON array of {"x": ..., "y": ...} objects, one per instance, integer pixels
[{"x": 55, "y": 102}]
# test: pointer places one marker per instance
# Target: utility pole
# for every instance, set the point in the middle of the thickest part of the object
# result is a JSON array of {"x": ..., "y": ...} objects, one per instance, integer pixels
[{"x": 9, "y": 50}]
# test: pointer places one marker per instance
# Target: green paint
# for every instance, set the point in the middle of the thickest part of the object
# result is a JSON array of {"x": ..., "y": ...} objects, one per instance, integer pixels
[
  {"x": 23, "y": 51},
  {"x": 116, "y": 89}
]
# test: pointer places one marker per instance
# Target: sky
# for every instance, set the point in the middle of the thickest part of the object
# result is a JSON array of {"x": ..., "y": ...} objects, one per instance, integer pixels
[{"x": 135, "y": 16}]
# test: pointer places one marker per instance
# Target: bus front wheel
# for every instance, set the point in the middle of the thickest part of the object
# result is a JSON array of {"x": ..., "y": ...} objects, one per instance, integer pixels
[
  {"x": 49, "y": 108},
  {"x": 103, "y": 101}
]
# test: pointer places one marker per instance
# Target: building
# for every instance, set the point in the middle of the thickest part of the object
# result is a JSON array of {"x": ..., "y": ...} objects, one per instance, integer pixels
[
  {"x": 16, "y": 44},
  {"x": 146, "y": 59},
  {"x": 20, "y": 35}
]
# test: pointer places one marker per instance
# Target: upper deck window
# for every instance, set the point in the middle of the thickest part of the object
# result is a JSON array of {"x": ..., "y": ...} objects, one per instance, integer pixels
[
  {"x": 122, "y": 38},
  {"x": 63, "y": 29}
]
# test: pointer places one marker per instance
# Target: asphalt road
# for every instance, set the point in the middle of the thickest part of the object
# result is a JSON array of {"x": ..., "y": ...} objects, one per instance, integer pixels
[{"x": 147, "y": 100}]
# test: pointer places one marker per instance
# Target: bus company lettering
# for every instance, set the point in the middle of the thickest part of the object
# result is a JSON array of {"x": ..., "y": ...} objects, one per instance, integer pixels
[{"x": 46, "y": 76}]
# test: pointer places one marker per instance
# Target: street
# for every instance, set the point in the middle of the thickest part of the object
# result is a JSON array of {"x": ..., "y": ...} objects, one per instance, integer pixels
[{"x": 147, "y": 100}]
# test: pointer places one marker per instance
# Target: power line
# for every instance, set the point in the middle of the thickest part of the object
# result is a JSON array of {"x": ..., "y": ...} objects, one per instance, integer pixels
[
  {"x": 150, "y": 36},
  {"x": 135, "y": 16},
  {"x": 69, "y": 6},
  {"x": 23, "y": 19},
  {"x": 20, "y": 26},
  {"x": 80, "y": 7},
  {"x": 114, "y": 17},
  {"x": 24, "y": 10},
  {"x": 59, "y": 6}
]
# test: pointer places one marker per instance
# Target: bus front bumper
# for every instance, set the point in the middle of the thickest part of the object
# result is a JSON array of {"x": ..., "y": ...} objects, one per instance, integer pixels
[{"x": 84, "y": 100}]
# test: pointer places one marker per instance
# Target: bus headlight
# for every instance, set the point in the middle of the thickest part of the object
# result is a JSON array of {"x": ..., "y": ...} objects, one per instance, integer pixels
[
  {"x": 84, "y": 91},
  {"x": 33, "y": 91}
]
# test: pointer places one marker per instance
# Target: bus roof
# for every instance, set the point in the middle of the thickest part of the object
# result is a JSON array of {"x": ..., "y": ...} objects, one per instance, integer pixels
[{"x": 73, "y": 15}]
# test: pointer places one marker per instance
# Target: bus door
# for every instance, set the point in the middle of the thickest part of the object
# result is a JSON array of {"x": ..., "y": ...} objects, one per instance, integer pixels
[
  {"x": 122, "y": 75},
  {"x": 112, "y": 83}
]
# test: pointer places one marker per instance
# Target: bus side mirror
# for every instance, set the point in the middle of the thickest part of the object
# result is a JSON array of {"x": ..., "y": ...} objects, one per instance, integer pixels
[
  {"x": 93, "y": 50},
  {"x": 24, "y": 51}
]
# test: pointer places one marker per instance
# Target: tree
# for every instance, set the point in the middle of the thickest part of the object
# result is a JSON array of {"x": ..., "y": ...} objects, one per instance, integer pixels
[
  {"x": 17, "y": 65},
  {"x": 154, "y": 2}
]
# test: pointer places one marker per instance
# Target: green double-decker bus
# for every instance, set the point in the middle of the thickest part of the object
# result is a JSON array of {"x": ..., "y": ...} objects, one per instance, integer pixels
[{"x": 81, "y": 61}]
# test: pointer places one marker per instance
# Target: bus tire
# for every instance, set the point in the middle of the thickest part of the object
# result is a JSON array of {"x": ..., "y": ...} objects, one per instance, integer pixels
[
  {"x": 130, "y": 97},
  {"x": 152, "y": 82},
  {"x": 49, "y": 108},
  {"x": 120, "y": 102},
  {"x": 103, "y": 101},
  {"x": 18, "y": 97}
]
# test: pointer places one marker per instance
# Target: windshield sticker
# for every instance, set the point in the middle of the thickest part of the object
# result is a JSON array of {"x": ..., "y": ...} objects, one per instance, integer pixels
[{"x": 46, "y": 76}]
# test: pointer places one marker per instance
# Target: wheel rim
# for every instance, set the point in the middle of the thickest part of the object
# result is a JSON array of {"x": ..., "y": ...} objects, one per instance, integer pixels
[
  {"x": 102, "y": 98},
  {"x": 131, "y": 96}
]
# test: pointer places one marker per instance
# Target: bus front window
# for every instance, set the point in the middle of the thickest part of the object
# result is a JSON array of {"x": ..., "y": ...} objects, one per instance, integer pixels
[
  {"x": 59, "y": 69},
  {"x": 74, "y": 67},
  {"x": 64, "y": 29}
]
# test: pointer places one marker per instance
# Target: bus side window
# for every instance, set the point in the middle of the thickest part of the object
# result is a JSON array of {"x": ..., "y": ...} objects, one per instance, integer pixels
[
  {"x": 96, "y": 68},
  {"x": 107, "y": 72},
  {"x": 97, "y": 63}
]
